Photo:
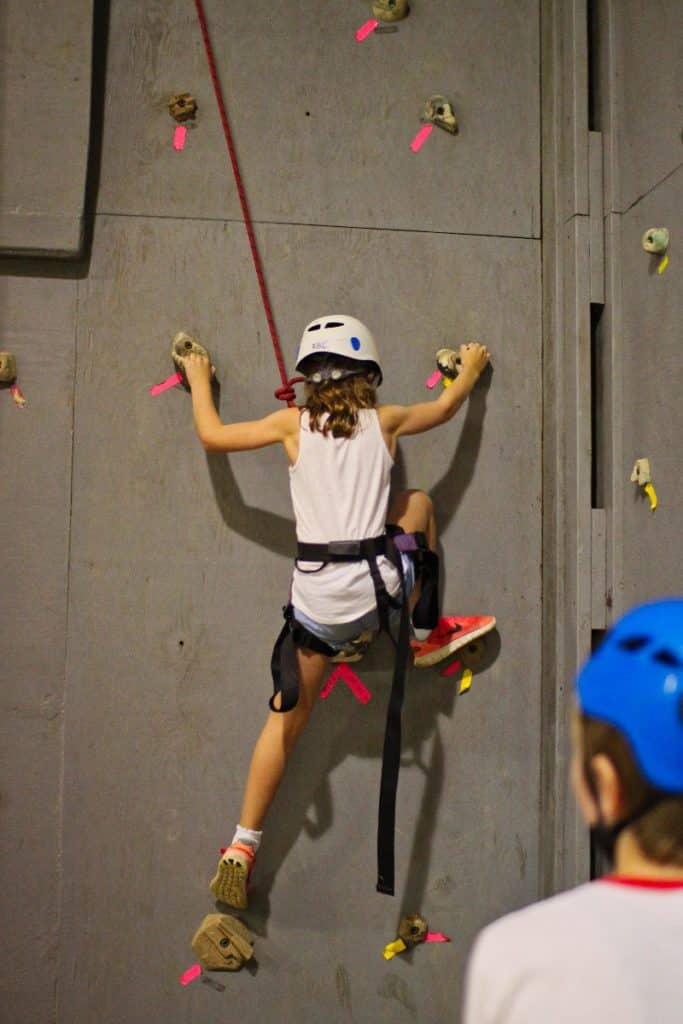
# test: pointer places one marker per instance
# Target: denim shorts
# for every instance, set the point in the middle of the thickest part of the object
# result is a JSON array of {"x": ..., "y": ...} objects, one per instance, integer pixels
[{"x": 339, "y": 634}]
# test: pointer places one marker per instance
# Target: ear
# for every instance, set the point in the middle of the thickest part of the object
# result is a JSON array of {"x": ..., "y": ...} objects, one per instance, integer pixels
[{"x": 608, "y": 789}]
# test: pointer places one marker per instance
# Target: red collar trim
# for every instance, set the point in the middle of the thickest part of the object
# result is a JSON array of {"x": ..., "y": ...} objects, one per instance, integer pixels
[{"x": 644, "y": 883}]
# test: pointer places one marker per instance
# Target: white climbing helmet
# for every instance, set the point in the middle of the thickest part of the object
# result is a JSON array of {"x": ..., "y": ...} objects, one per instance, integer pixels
[{"x": 339, "y": 335}]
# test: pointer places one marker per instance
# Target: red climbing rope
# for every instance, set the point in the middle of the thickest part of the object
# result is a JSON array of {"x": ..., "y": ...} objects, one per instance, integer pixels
[{"x": 286, "y": 392}]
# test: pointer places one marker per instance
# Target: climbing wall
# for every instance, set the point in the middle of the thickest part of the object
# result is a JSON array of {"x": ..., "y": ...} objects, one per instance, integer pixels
[{"x": 180, "y": 563}]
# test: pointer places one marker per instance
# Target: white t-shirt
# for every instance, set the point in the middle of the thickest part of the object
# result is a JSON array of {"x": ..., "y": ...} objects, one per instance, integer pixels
[
  {"x": 608, "y": 952},
  {"x": 340, "y": 491}
]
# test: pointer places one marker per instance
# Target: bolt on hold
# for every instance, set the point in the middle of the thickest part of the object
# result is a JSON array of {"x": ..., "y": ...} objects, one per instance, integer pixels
[
  {"x": 642, "y": 476},
  {"x": 656, "y": 240},
  {"x": 8, "y": 368},
  {"x": 439, "y": 111},
  {"x": 182, "y": 107},
  {"x": 390, "y": 10}
]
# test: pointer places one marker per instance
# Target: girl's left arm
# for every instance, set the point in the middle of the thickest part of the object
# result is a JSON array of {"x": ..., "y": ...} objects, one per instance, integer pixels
[{"x": 217, "y": 436}]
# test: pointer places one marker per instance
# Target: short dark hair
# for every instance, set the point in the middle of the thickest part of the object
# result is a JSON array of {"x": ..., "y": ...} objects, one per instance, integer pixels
[{"x": 659, "y": 832}]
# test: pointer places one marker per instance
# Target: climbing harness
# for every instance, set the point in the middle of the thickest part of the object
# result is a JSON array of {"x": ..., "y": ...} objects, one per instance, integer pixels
[{"x": 284, "y": 664}]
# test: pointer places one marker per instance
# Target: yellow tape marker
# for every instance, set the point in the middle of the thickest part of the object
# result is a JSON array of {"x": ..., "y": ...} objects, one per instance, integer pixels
[
  {"x": 663, "y": 264},
  {"x": 393, "y": 948},
  {"x": 652, "y": 495},
  {"x": 447, "y": 381},
  {"x": 466, "y": 680}
]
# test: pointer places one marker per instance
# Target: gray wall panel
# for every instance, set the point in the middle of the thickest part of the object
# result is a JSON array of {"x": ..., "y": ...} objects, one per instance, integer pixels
[
  {"x": 35, "y": 469},
  {"x": 647, "y": 84},
  {"x": 349, "y": 162},
  {"x": 169, "y": 546},
  {"x": 45, "y": 124},
  {"x": 652, "y": 381}
]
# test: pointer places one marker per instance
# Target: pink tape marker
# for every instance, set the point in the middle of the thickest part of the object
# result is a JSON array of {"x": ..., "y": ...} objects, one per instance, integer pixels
[
  {"x": 170, "y": 382},
  {"x": 190, "y": 974},
  {"x": 451, "y": 669},
  {"x": 432, "y": 381},
  {"x": 179, "y": 136},
  {"x": 436, "y": 937},
  {"x": 365, "y": 30},
  {"x": 18, "y": 396},
  {"x": 360, "y": 692},
  {"x": 421, "y": 137}
]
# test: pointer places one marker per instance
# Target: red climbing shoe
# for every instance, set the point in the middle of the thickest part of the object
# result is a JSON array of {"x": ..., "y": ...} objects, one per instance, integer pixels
[
  {"x": 449, "y": 635},
  {"x": 229, "y": 884}
]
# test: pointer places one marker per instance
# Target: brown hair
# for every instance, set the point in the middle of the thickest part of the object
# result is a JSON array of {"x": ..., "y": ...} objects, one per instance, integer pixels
[
  {"x": 659, "y": 832},
  {"x": 341, "y": 400}
]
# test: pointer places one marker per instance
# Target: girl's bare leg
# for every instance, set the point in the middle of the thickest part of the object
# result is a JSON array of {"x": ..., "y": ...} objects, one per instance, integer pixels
[{"x": 277, "y": 740}]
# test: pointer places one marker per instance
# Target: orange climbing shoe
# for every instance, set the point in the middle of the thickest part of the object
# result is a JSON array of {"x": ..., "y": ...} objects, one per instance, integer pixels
[
  {"x": 229, "y": 884},
  {"x": 449, "y": 635}
]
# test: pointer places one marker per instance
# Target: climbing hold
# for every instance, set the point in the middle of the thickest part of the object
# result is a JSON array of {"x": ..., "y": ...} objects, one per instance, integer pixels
[
  {"x": 182, "y": 107},
  {"x": 412, "y": 929},
  {"x": 223, "y": 943},
  {"x": 184, "y": 345},
  {"x": 473, "y": 654},
  {"x": 656, "y": 240},
  {"x": 448, "y": 362},
  {"x": 641, "y": 472},
  {"x": 390, "y": 10},
  {"x": 439, "y": 111},
  {"x": 8, "y": 368},
  {"x": 641, "y": 475}
]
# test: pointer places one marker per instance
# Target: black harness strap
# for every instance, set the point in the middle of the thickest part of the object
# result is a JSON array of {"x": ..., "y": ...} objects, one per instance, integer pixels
[{"x": 285, "y": 670}]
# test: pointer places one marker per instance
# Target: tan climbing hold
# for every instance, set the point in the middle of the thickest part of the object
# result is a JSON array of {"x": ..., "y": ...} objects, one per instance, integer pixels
[
  {"x": 223, "y": 943},
  {"x": 8, "y": 368},
  {"x": 390, "y": 10}
]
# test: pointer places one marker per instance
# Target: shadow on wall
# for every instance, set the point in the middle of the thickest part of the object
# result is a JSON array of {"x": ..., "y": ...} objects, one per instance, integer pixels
[{"x": 343, "y": 727}]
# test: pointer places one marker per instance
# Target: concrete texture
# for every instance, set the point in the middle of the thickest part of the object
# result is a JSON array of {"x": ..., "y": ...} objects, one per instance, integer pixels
[
  {"x": 35, "y": 469},
  {"x": 322, "y": 123},
  {"x": 44, "y": 125}
]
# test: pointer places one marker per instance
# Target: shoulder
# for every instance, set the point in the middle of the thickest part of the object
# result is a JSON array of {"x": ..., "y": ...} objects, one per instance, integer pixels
[
  {"x": 390, "y": 416},
  {"x": 286, "y": 420},
  {"x": 533, "y": 954}
]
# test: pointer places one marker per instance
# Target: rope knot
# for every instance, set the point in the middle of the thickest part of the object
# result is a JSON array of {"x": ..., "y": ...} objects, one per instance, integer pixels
[{"x": 286, "y": 393}]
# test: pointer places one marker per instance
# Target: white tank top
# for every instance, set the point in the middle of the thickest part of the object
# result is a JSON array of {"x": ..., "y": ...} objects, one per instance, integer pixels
[{"x": 340, "y": 491}]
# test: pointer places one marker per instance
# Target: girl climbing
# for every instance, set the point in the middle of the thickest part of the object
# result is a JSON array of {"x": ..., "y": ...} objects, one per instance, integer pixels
[{"x": 359, "y": 557}]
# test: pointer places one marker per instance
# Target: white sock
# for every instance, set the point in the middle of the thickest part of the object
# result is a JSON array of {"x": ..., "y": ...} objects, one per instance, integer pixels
[
  {"x": 248, "y": 837},
  {"x": 421, "y": 634}
]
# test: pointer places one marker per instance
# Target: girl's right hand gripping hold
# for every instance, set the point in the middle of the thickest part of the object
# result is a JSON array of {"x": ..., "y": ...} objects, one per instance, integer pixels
[{"x": 400, "y": 420}]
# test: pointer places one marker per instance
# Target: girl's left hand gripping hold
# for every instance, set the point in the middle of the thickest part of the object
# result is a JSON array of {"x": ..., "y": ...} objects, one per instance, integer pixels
[{"x": 197, "y": 368}]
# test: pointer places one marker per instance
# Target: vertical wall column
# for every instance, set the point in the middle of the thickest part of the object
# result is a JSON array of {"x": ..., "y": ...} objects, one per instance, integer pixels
[{"x": 569, "y": 277}]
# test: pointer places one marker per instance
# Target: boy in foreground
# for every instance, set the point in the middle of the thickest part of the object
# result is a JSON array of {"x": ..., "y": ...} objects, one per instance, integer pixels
[{"x": 608, "y": 950}]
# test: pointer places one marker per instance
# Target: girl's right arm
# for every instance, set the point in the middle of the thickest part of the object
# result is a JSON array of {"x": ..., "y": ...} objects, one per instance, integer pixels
[{"x": 399, "y": 420}]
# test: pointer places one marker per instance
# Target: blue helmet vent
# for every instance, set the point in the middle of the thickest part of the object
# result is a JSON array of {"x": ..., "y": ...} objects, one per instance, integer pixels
[
  {"x": 665, "y": 657},
  {"x": 634, "y": 643}
]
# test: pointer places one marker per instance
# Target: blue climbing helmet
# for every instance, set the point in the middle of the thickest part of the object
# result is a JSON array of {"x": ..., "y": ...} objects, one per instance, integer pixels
[
  {"x": 342, "y": 336},
  {"x": 634, "y": 682}
]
